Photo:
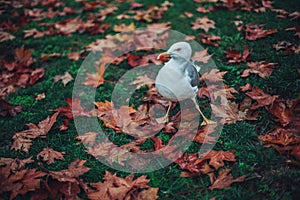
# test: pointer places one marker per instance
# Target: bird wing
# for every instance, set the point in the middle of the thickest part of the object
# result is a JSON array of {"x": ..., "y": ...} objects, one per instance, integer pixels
[{"x": 192, "y": 75}]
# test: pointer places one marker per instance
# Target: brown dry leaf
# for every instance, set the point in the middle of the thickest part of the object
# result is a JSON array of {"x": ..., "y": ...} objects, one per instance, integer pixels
[
  {"x": 213, "y": 76},
  {"x": 88, "y": 138},
  {"x": 46, "y": 56},
  {"x": 204, "y": 10},
  {"x": 40, "y": 96},
  {"x": 203, "y": 23},
  {"x": 74, "y": 56},
  {"x": 20, "y": 182},
  {"x": 224, "y": 180},
  {"x": 282, "y": 136},
  {"x": 75, "y": 169},
  {"x": 124, "y": 28},
  {"x": 229, "y": 113},
  {"x": 188, "y": 14},
  {"x": 66, "y": 78},
  {"x": 209, "y": 39},
  {"x": 296, "y": 152},
  {"x": 7, "y": 108},
  {"x": 263, "y": 69},
  {"x": 202, "y": 56},
  {"x": 254, "y": 32},
  {"x": 245, "y": 88},
  {"x": 115, "y": 187},
  {"x": 141, "y": 81},
  {"x": 234, "y": 56},
  {"x": 97, "y": 79},
  {"x": 4, "y": 36},
  {"x": 203, "y": 134},
  {"x": 23, "y": 139},
  {"x": 49, "y": 155},
  {"x": 283, "y": 111},
  {"x": 15, "y": 164},
  {"x": 295, "y": 28},
  {"x": 195, "y": 164},
  {"x": 262, "y": 99},
  {"x": 294, "y": 15},
  {"x": 287, "y": 47}
]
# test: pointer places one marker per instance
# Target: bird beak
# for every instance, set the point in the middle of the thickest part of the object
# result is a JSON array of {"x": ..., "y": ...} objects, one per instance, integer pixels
[{"x": 163, "y": 55}]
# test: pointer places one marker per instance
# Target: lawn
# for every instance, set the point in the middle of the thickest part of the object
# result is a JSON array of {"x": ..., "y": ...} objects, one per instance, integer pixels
[{"x": 61, "y": 66}]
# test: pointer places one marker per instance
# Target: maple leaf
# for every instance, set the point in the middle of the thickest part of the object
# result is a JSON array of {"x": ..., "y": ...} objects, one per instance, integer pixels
[
  {"x": 75, "y": 169},
  {"x": 21, "y": 182},
  {"x": 287, "y": 47},
  {"x": 23, "y": 139},
  {"x": 15, "y": 164},
  {"x": 245, "y": 88},
  {"x": 7, "y": 108},
  {"x": 213, "y": 76},
  {"x": 262, "y": 99},
  {"x": 280, "y": 136},
  {"x": 88, "y": 138},
  {"x": 143, "y": 80},
  {"x": 202, "y": 56},
  {"x": 283, "y": 111},
  {"x": 203, "y": 23},
  {"x": 4, "y": 36},
  {"x": 235, "y": 56},
  {"x": 66, "y": 78},
  {"x": 115, "y": 187},
  {"x": 124, "y": 28},
  {"x": 263, "y": 69},
  {"x": 136, "y": 60},
  {"x": 229, "y": 113},
  {"x": 224, "y": 180},
  {"x": 73, "y": 109},
  {"x": 49, "y": 155},
  {"x": 97, "y": 79},
  {"x": 203, "y": 134},
  {"x": 209, "y": 39},
  {"x": 74, "y": 56},
  {"x": 254, "y": 32}
]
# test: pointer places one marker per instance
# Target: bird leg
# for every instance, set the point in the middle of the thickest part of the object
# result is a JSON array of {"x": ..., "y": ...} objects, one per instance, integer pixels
[
  {"x": 165, "y": 118},
  {"x": 205, "y": 120}
]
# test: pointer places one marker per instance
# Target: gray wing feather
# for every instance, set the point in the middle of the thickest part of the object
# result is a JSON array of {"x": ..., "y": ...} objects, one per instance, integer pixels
[{"x": 193, "y": 74}]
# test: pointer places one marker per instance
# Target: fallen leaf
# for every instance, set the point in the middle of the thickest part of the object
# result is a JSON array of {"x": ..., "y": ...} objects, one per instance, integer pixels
[
  {"x": 74, "y": 56},
  {"x": 49, "y": 155},
  {"x": 254, "y": 32},
  {"x": 7, "y": 108},
  {"x": 263, "y": 69},
  {"x": 209, "y": 39},
  {"x": 97, "y": 79},
  {"x": 224, "y": 180},
  {"x": 124, "y": 28},
  {"x": 141, "y": 81},
  {"x": 213, "y": 76},
  {"x": 15, "y": 164},
  {"x": 23, "y": 139},
  {"x": 234, "y": 56},
  {"x": 4, "y": 36},
  {"x": 203, "y": 23},
  {"x": 202, "y": 56},
  {"x": 280, "y": 136},
  {"x": 88, "y": 138},
  {"x": 66, "y": 78},
  {"x": 40, "y": 96},
  {"x": 262, "y": 99}
]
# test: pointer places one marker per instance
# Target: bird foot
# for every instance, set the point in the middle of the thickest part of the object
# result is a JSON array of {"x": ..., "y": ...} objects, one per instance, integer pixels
[
  {"x": 207, "y": 122},
  {"x": 162, "y": 120}
]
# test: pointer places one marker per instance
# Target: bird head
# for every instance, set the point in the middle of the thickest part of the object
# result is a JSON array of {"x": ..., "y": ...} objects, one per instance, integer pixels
[{"x": 178, "y": 50}]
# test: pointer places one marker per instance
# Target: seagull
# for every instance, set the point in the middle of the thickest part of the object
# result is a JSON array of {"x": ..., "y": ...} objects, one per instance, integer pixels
[{"x": 178, "y": 79}]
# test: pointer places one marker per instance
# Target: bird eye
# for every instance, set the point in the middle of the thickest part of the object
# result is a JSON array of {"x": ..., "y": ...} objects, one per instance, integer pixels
[{"x": 178, "y": 49}]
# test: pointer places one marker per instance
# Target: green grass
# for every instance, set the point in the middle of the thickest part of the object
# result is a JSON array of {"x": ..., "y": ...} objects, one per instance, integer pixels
[{"x": 268, "y": 176}]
